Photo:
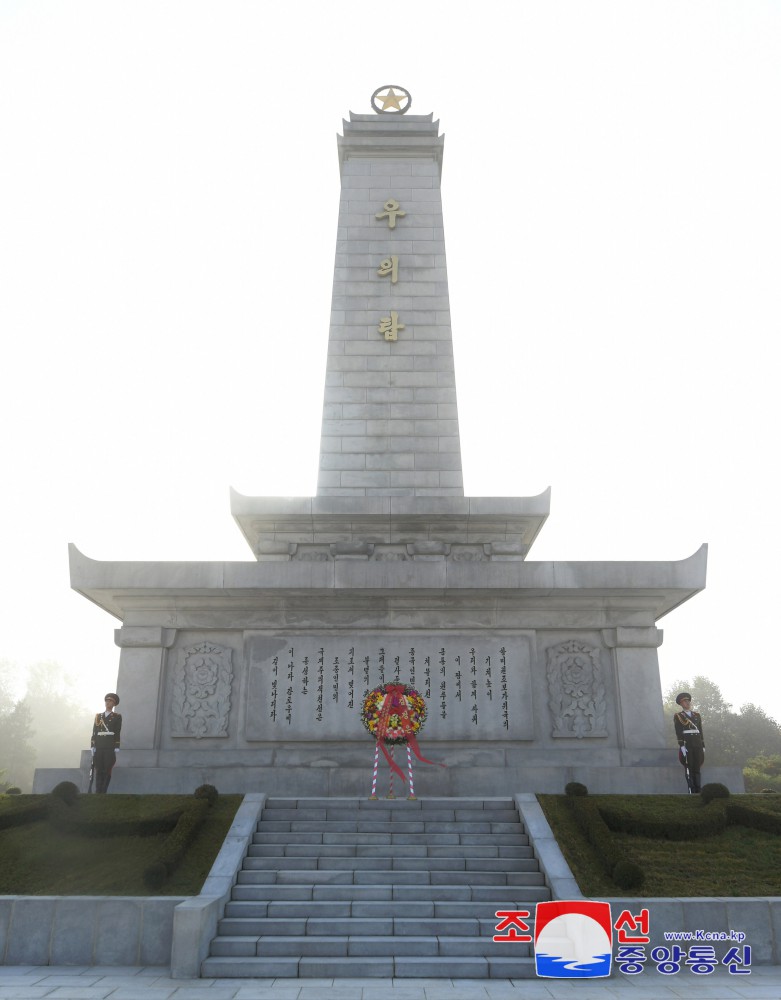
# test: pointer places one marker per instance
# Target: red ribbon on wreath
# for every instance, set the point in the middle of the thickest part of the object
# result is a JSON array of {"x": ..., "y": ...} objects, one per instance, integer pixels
[{"x": 394, "y": 703}]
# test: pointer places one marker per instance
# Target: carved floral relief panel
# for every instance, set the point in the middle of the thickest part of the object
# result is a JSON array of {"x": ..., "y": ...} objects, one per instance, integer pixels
[
  {"x": 576, "y": 690},
  {"x": 201, "y": 696}
]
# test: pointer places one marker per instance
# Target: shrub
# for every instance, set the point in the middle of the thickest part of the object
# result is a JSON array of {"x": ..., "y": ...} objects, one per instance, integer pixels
[
  {"x": 116, "y": 823},
  {"x": 714, "y": 791},
  {"x": 606, "y": 847},
  {"x": 628, "y": 875},
  {"x": 760, "y": 781},
  {"x": 208, "y": 792},
  {"x": 13, "y": 790},
  {"x": 66, "y": 792},
  {"x": 755, "y": 817},
  {"x": 155, "y": 875},
  {"x": 28, "y": 810},
  {"x": 683, "y": 825},
  {"x": 575, "y": 788},
  {"x": 176, "y": 843}
]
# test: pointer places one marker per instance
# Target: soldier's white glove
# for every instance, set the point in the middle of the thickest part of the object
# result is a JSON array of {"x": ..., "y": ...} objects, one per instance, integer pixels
[
  {"x": 684, "y": 751},
  {"x": 92, "y": 751}
]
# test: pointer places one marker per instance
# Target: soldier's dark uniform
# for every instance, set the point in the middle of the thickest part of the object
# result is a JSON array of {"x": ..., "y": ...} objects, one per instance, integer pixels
[
  {"x": 688, "y": 732},
  {"x": 105, "y": 740}
]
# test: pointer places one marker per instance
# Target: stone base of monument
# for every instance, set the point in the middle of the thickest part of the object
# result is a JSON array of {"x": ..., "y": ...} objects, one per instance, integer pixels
[
  {"x": 252, "y": 676},
  {"x": 323, "y": 769}
]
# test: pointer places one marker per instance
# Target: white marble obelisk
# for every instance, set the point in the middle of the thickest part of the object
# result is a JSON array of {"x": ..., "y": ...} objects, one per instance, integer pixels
[{"x": 390, "y": 420}]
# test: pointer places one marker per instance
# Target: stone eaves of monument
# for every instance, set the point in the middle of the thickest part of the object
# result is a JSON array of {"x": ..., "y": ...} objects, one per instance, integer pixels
[{"x": 250, "y": 675}]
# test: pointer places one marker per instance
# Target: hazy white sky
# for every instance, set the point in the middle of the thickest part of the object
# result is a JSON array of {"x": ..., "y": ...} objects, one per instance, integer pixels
[{"x": 168, "y": 200}]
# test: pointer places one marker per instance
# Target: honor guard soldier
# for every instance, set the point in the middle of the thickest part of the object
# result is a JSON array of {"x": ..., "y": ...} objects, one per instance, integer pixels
[
  {"x": 691, "y": 744},
  {"x": 105, "y": 742}
]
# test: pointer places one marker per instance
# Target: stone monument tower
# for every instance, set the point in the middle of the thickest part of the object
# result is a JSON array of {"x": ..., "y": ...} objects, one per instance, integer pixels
[{"x": 251, "y": 675}]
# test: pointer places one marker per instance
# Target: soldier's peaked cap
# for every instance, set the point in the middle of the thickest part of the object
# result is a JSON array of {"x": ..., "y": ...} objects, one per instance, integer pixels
[
  {"x": 681, "y": 696},
  {"x": 114, "y": 696}
]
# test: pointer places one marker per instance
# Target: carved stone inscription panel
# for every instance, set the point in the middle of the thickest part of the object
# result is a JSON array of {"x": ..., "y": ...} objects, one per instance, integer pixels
[{"x": 311, "y": 687}]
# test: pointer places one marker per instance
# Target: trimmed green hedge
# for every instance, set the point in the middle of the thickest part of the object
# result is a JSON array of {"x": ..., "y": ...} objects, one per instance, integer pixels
[
  {"x": 753, "y": 816},
  {"x": 26, "y": 809},
  {"x": 599, "y": 818},
  {"x": 70, "y": 819},
  {"x": 624, "y": 872},
  {"x": 61, "y": 808},
  {"x": 182, "y": 824},
  {"x": 682, "y": 826},
  {"x": 176, "y": 844}
]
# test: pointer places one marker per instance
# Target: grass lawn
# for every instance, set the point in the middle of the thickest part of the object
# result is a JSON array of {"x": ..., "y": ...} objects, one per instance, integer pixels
[
  {"x": 735, "y": 862},
  {"x": 39, "y": 859}
]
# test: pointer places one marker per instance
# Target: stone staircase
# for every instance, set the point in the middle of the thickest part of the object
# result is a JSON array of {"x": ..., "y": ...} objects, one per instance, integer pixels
[{"x": 348, "y": 888}]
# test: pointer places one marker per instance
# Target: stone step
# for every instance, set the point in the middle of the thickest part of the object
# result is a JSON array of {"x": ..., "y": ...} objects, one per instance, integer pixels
[
  {"x": 446, "y": 910},
  {"x": 304, "y": 927},
  {"x": 418, "y": 826},
  {"x": 464, "y": 804},
  {"x": 399, "y": 967},
  {"x": 517, "y": 839},
  {"x": 428, "y": 879},
  {"x": 391, "y": 816},
  {"x": 287, "y": 850},
  {"x": 369, "y": 877},
  {"x": 292, "y": 945},
  {"x": 349, "y": 893},
  {"x": 373, "y": 909},
  {"x": 379, "y": 894},
  {"x": 447, "y": 863},
  {"x": 408, "y": 925},
  {"x": 295, "y": 914}
]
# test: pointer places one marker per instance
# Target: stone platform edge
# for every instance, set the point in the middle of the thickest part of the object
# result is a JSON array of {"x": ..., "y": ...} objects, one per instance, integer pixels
[
  {"x": 195, "y": 919},
  {"x": 127, "y": 930},
  {"x": 759, "y": 918}
]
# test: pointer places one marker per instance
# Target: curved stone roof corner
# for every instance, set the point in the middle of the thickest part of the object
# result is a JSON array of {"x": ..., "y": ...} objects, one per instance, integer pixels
[{"x": 654, "y": 588}]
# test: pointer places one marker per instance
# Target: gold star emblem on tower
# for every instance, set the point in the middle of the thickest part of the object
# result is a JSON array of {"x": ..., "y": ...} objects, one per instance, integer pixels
[{"x": 391, "y": 100}]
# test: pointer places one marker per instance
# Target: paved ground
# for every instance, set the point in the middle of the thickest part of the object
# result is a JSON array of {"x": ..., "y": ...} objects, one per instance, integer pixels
[{"x": 31, "y": 982}]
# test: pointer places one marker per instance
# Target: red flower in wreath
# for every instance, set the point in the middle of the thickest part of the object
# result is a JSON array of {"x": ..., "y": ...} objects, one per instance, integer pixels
[{"x": 393, "y": 713}]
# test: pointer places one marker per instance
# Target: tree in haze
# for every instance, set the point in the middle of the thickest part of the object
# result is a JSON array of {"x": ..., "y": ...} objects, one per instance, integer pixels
[
  {"x": 17, "y": 753},
  {"x": 763, "y": 772},
  {"x": 758, "y": 734},
  {"x": 62, "y": 723},
  {"x": 47, "y": 727}
]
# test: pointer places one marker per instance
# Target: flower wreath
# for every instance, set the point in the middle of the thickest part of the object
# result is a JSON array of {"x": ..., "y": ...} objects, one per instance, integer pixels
[{"x": 396, "y": 733}]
